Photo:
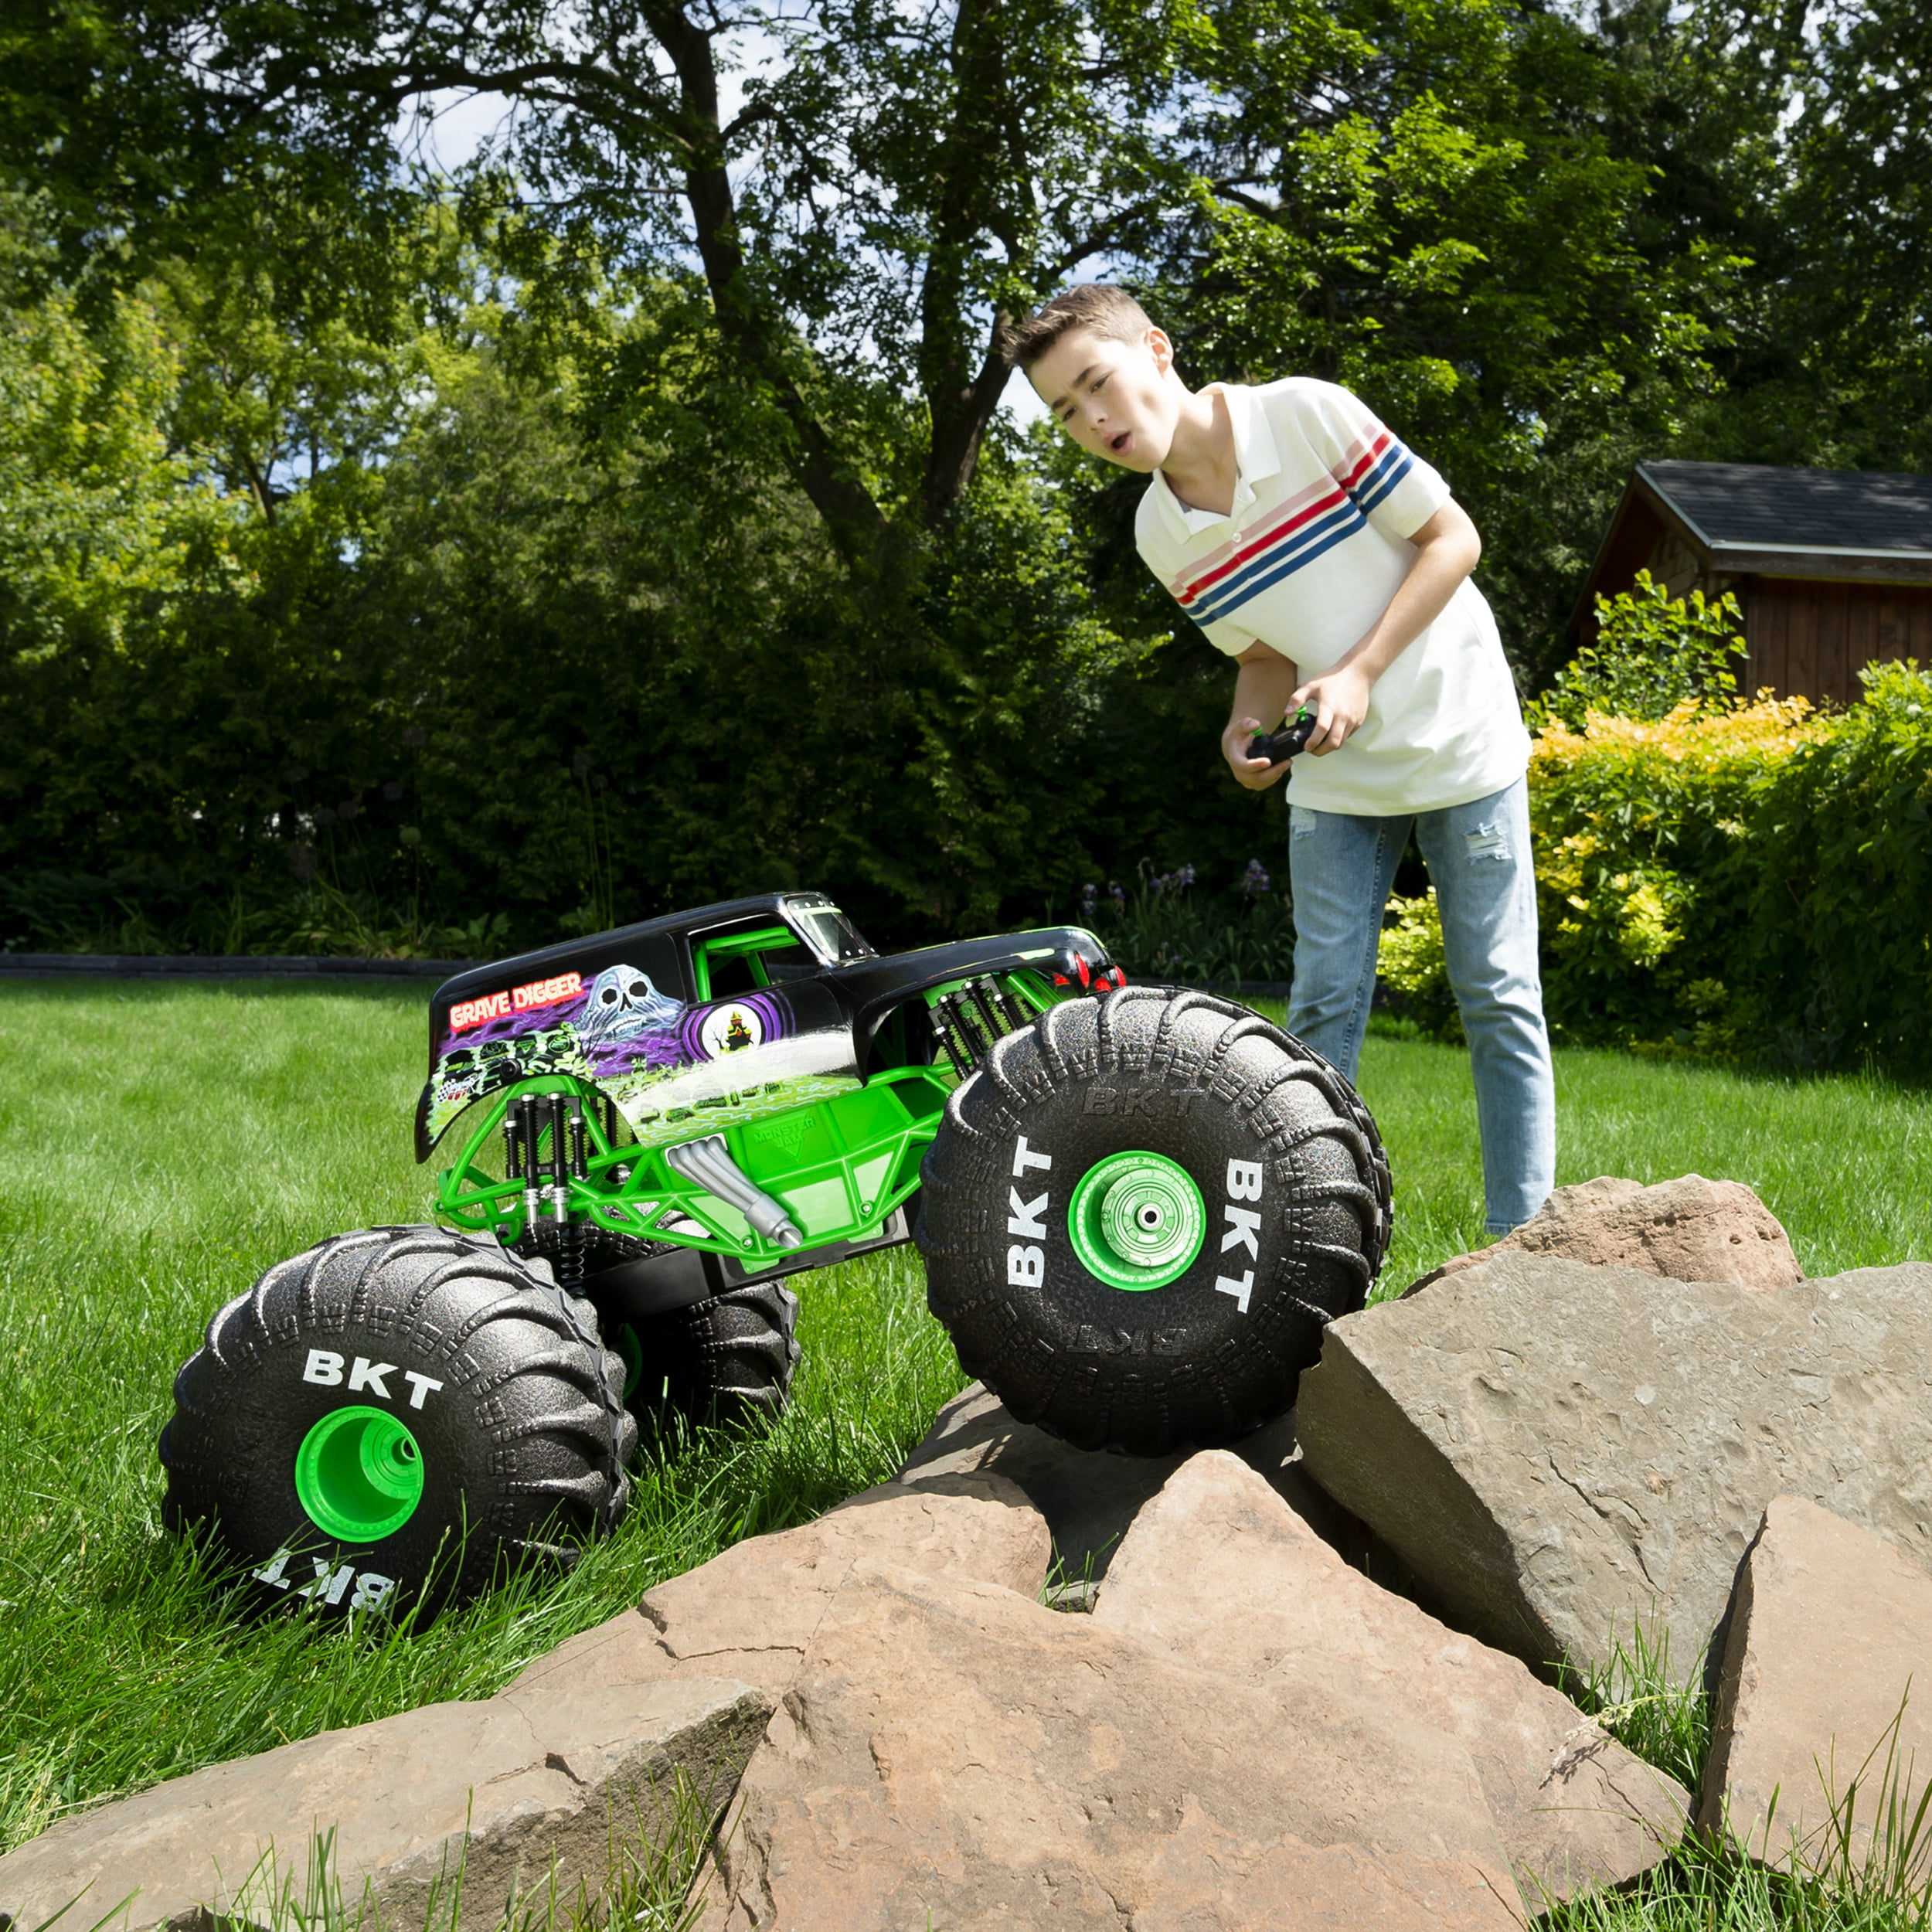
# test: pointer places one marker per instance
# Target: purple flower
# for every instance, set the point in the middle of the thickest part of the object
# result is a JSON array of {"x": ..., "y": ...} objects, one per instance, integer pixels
[{"x": 1254, "y": 881}]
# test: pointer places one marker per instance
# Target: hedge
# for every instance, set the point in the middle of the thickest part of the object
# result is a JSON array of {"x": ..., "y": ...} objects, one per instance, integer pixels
[{"x": 1744, "y": 879}]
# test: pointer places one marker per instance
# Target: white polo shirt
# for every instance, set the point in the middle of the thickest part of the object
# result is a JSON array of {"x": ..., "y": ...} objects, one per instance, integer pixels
[{"x": 1325, "y": 500}]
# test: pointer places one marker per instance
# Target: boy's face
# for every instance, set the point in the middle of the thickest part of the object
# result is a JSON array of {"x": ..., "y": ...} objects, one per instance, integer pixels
[{"x": 1119, "y": 400}]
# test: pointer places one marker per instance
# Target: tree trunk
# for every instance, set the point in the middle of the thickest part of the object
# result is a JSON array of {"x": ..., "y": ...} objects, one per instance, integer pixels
[
  {"x": 962, "y": 384},
  {"x": 823, "y": 471}
]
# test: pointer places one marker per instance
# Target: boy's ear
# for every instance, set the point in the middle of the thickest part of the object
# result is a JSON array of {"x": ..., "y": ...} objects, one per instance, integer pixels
[{"x": 1160, "y": 348}]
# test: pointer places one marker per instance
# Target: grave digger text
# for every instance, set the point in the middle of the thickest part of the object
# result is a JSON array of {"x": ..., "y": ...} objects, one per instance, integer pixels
[{"x": 1026, "y": 1260}]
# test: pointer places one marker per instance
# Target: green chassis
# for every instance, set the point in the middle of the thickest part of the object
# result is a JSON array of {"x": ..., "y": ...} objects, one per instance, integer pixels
[{"x": 839, "y": 1165}]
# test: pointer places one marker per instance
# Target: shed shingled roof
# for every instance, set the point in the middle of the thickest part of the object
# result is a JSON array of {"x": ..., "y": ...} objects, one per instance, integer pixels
[{"x": 1753, "y": 505}]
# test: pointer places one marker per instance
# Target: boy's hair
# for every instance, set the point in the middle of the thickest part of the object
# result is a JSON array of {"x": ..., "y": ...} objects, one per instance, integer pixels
[{"x": 1098, "y": 307}]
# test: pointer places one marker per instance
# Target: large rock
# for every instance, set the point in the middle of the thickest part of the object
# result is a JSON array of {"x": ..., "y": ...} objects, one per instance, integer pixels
[
  {"x": 1832, "y": 1627},
  {"x": 1218, "y": 1573},
  {"x": 953, "y": 1754},
  {"x": 511, "y": 1790},
  {"x": 1088, "y": 1500},
  {"x": 1690, "y": 1230},
  {"x": 1561, "y": 1450},
  {"x": 750, "y": 1612}
]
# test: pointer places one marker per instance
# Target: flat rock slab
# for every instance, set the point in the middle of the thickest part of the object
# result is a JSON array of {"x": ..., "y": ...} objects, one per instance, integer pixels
[
  {"x": 1689, "y": 1229},
  {"x": 1088, "y": 1500},
  {"x": 955, "y": 1755},
  {"x": 511, "y": 1790},
  {"x": 1218, "y": 1573},
  {"x": 1832, "y": 1626},
  {"x": 1561, "y": 1451},
  {"x": 752, "y": 1610}
]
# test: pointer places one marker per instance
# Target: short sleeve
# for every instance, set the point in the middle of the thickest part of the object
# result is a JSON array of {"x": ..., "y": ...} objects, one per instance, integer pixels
[{"x": 1386, "y": 480}]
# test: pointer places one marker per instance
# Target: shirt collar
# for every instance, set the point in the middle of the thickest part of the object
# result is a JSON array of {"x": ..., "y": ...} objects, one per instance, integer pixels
[{"x": 1255, "y": 459}]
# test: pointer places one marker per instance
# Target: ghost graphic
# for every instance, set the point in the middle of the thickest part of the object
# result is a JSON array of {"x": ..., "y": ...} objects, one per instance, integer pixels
[{"x": 622, "y": 1004}]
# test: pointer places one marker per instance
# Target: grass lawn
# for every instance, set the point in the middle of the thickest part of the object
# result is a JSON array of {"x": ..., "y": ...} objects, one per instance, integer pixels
[{"x": 162, "y": 1144}]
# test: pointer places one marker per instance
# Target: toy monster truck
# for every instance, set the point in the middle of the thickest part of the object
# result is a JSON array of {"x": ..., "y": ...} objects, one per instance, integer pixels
[{"x": 1138, "y": 1209}]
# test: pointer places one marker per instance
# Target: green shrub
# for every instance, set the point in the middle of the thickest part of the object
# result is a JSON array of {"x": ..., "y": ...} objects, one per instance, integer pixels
[
  {"x": 1163, "y": 929},
  {"x": 1411, "y": 967},
  {"x": 1653, "y": 652},
  {"x": 1833, "y": 883},
  {"x": 1743, "y": 879}
]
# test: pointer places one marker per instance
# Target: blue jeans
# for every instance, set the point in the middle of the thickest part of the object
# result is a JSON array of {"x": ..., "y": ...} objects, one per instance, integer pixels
[{"x": 1340, "y": 868}]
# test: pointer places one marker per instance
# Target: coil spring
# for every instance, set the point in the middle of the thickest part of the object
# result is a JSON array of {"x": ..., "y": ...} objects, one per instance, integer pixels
[{"x": 969, "y": 1019}]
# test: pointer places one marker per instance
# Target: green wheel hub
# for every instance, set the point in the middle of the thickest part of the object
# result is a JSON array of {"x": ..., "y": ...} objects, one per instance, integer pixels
[
  {"x": 1136, "y": 1220},
  {"x": 358, "y": 1473}
]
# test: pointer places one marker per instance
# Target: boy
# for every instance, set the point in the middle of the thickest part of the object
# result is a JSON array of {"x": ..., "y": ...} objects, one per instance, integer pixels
[{"x": 1332, "y": 565}]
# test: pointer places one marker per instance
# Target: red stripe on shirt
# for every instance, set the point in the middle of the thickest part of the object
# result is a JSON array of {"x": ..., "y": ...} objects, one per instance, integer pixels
[{"x": 1288, "y": 519}]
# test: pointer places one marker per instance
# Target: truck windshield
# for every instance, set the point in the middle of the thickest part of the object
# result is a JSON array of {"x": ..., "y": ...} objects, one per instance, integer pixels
[{"x": 832, "y": 935}]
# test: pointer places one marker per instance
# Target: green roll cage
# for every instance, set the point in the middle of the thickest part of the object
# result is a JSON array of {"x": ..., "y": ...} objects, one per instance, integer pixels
[{"x": 840, "y": 1165}]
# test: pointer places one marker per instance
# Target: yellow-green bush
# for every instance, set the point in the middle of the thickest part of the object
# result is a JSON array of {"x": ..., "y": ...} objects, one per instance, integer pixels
[
  {"x": 1408, "y": 961},
  {"x": 1734, "y": 877},
  {"x": 1640, "y": 826},
  {"x": 1747, "y": 877}
]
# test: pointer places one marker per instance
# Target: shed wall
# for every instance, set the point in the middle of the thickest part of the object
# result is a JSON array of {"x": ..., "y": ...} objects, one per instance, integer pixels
[{"x": 1809, "y": 638}]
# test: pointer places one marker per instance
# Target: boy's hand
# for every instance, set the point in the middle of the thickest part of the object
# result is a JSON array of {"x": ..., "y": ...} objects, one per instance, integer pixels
[
  {"x": 1341, "y": 701},
  {"x": 1257, "y": 773}
]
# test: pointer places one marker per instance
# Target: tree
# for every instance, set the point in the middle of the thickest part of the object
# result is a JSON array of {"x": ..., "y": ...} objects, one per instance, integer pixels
[
  {"x": 100, "y": 518},
  {"x": 871, "y": 195}
]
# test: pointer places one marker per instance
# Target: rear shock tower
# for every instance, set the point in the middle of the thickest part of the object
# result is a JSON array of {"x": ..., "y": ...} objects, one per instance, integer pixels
[{"x": 969, "y": 1017}]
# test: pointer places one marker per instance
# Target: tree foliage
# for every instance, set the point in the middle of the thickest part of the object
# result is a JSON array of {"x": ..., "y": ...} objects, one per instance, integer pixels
[
  {"x": 624, "y": 516},
  {"x": 1421, "y": 199},
  {"x": 1652, "y": 653},
  {"x": 102, "y": 525}
]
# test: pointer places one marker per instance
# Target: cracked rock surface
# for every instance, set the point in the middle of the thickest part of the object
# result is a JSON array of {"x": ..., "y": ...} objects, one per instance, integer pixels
[
  {"x": 751, "y": 1611},
  {"x": 508, "y": 1787},
  {"x": 955, "y": 1754},
  {"x": 1561, "y": 1450},
  {"x": 1689, "y": 1229},
  {"x": 1088, "y": 1501},
  {"x": 1217, "y": 1571}
]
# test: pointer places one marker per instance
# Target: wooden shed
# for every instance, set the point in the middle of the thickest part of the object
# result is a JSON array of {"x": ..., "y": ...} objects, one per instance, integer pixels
[{"x": 1833, "y": 568}]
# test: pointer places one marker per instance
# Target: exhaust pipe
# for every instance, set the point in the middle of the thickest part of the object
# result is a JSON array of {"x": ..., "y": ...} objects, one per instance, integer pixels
[{"x": 708, "y": 1164}]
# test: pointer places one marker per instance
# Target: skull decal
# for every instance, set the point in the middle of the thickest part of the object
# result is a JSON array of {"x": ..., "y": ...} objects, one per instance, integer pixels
[{"x": 622, "y": 1004}]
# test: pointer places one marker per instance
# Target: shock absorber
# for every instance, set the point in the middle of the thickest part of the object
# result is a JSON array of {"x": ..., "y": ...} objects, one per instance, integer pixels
[
  {"x": 527, "y": 1169},
  {"x": 953, "y": 1036},
  {"x": 512, "y": 1143},
  {"x": 1017, "y": 1016},
  {"x": 968, "y": 1022},
  {"x": 568, "y": 1161},
  {"x": 994, "y": 1022}
]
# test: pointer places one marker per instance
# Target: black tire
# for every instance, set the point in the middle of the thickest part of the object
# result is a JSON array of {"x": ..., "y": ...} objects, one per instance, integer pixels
[
  {"x": 726, "y": 1360},
  {"x": 513, "y": 1410},
  {"x": 1287, "y": 1163}
]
